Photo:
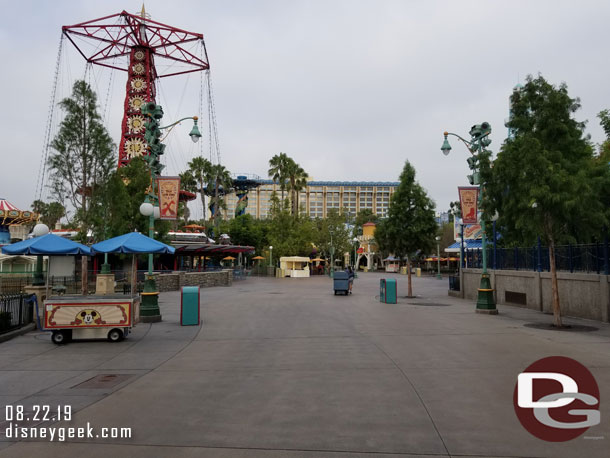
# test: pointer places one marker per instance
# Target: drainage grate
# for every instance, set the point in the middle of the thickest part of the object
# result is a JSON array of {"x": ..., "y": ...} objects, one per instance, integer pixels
[
  {"x": 275, "y": 292},
  {"x": 104, "y": 381}
]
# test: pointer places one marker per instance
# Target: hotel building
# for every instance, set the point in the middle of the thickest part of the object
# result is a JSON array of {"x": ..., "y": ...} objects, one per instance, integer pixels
[{"x": 321, "y": 196}]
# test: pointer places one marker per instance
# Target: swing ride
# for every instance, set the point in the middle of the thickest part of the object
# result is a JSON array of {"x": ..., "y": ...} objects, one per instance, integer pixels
[{"x": 148, "y": 52}]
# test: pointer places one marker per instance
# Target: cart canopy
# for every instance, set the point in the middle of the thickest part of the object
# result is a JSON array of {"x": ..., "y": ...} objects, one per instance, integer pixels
[
  {"x": 133, "y": 242},
  {"x": 49, "y": 244}
]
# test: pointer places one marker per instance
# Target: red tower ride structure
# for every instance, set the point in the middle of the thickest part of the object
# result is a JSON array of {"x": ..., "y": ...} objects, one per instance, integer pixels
[{"x": 147, "y": 50}]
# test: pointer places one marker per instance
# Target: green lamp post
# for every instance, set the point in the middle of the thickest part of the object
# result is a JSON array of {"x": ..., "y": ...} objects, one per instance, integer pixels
[
  {"x": 38, "y": 231},
  {"x": 438, "y": 258},
  {"x": 149, "y": 309},
  {"x": 479, "y": 140}
]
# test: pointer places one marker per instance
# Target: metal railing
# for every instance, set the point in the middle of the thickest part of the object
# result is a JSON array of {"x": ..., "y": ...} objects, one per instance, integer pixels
[
  {"x": 15, "y": 311},
  {"x": 590, "y": 258}
]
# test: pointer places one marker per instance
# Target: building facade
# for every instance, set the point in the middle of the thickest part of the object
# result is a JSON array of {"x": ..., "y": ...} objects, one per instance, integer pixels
[{"x": 321, "y": 196}]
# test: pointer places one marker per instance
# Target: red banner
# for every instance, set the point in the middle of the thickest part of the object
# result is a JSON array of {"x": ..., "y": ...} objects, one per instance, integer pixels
[
  {"x": 469, "y": 202},
  {"x": 169, "y": 193}
]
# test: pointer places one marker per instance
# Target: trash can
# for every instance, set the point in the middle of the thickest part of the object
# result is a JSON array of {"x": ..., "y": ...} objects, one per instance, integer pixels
[
  {"x": 418, "y": 271},
  {"x": 387, "y": 291},
  {"x": 341, "y": 282},
  {"x": 189, "y": 306}
]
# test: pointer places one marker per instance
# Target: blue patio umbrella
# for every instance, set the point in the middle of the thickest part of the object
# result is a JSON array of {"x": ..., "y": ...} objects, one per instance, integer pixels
[
  {"x": 49, "y": 244},
  {"x": 134, "y": 243}
]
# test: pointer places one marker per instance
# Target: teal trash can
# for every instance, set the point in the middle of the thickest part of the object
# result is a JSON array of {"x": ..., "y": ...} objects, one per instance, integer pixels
[
  {"x": 387, "y": 291},
  {"x": 189, "y": 306}
]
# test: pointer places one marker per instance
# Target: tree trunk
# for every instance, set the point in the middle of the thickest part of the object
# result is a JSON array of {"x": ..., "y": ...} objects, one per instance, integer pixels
[
  {"x": 410, "y": 285},
  {"x": 201, "y": 191},
  {"x": 554, "y": 285},
  {"x": 84, "y": 276}
]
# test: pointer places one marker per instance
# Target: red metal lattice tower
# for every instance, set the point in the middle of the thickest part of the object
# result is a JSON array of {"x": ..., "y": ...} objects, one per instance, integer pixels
[{"x": 137, "y": 45}]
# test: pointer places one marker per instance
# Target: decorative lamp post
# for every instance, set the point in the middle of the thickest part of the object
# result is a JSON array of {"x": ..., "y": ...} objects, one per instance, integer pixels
[
  {"x": 149, "y": 309},
  {"x": 270, "y": 255},
  {"x": 479, "y": 140},
  {"x": 38, "y": 231},
  {"x": 438, "y": 257},
  {"x": 355, "y": 240}
]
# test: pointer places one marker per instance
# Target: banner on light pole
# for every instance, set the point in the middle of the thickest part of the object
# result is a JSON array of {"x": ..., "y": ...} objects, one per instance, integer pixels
[
  {"x": 169, "y": 194},
  {"x": 469, "y": 203}
]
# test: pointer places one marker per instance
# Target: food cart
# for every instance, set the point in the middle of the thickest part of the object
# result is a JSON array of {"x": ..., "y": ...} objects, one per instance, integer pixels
[{"x": 90, "y": 317}]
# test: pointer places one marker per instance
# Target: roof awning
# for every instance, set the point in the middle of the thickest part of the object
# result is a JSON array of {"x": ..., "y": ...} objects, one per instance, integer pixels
[{"x": 210, "y": 248}]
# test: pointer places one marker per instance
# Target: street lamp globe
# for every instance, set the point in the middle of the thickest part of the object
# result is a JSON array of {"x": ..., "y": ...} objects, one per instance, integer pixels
[
  {"x": 446, "y": 148},
  {"x": 147, "y": 209},
  {"x": 195, "y": 134},
  {"x": 156, "y": 212},
  {"x": 40, "y": 229}
]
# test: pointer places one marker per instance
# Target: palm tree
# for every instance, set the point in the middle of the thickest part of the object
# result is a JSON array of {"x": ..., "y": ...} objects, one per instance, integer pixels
[
  {"x": 221, "y": 182},
  {"x": 197, "y": 177},
  {"x": 277, "y": 170},
  {"x": 297, "y": 181}
]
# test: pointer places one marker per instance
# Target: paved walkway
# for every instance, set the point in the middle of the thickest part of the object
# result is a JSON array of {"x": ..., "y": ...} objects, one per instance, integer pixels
[{"x": 283, "y": 368}]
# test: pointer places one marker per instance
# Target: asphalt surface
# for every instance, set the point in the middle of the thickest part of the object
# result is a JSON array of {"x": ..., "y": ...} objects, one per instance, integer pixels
[{"x": 283, "y": 368}]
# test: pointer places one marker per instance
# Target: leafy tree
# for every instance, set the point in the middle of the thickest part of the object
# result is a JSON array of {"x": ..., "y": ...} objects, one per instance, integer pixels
[
  {"x": 249, "y": 231},
  {"x": 602, "y": 165},
  {"x": 84, "y": 154},
  {"x": 543, "y": 181},
  {"x": 411, "y": 224},
  {"x": 289, "y": 235},
  {"x": 278, "y": 166},
  {"x": 115, "y": 209},
  {"x": 50, "y": 213},
  {"x": 334, "y": 224}
]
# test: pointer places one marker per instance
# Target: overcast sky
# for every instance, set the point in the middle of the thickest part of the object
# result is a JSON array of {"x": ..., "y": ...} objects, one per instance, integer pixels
[{"x": 349, "y": 89}]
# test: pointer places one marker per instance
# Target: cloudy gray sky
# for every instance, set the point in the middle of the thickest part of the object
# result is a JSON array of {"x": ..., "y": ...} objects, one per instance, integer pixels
[{"x": 349, "y": 89}]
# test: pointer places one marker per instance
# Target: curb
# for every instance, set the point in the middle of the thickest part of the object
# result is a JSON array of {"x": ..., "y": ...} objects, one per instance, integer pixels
[{"x": 17, "y": 332}]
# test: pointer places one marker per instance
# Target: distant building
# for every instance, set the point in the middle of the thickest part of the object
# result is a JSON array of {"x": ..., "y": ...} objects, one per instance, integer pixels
[
  {"x": 321, "y": 196},
  {"x": 442, "y": 218}
]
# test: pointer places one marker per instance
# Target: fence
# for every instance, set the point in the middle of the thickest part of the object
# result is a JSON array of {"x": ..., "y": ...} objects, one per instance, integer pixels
[
  {"x": 590, "y": 258},
  {"x": 15, "y": 311}
]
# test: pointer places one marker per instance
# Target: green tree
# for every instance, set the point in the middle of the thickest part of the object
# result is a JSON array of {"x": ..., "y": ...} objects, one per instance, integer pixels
[
  {"x": 289, "y": 235},
  {"x": 333, "y": 224},
  {"x": 84, "y": 154},
  {"x": 542, "y": 182},
  {"x": 115, "y": 209},
  {"x": 297, "y": 181},
  {"x": 50, "y": 213},
  {"x": 197, "y": 177},
  {"x": 278, "y": 165},
  {"x": 249, "y": 231},
  {"x": 220, "y": 182},
  {"x": 411, "y": 224},
  {"x": 364, "y": 216}
]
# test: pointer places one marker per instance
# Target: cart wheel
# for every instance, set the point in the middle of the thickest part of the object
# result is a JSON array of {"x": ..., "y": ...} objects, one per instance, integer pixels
[
  {"x": 335, "y": 292},
  {"x": 115, "y": 335},
  {"x": 59, "y": 338}
]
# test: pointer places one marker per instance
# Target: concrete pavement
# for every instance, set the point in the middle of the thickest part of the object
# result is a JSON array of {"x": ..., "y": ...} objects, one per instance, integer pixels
[{"x": 282, "y": 367}]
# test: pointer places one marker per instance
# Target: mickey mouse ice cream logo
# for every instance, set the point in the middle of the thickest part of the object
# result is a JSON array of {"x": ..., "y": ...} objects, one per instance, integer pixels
[{"x": 557, "y": 399}]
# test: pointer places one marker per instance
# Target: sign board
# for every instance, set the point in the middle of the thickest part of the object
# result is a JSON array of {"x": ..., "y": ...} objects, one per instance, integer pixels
[
  {"x": 469, "y": 201},
  {"x": 169, "y": 193}
]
